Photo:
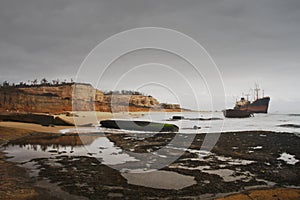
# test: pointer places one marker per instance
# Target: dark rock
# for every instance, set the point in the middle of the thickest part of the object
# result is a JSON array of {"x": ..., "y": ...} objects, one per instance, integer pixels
[
  {"x": 42, "y": 119},
  {"x": 197, "y": 127},
  {"x": 178, "y": 117},
  {"x": 61, "y": 122},
  {"x": 139, "y": 125},
  {"x": 290, "y": 125},
  {"x": 205, "y": 119}
]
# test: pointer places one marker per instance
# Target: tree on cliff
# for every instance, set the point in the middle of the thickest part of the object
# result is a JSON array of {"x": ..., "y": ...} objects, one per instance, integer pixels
[
  {"x": 55, "y": 82},
  {"x": 34, "y": 82},
  {"x": 22, "y": 83},
  {"x": 44, "y": 81},
  {"x": 123, "y": 92},
  {"x": 5, "y": 84}
]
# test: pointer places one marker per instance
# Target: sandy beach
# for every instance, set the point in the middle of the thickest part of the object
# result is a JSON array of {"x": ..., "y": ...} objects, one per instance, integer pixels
[
  {"x": 34, "y": 127},
  {"x": 75, "y": 118}
]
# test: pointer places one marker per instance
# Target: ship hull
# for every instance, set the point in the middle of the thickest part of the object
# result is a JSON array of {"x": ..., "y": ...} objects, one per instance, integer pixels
[
  {"x": 257, "y": 106},
  {"x": 234, "y": 113}
]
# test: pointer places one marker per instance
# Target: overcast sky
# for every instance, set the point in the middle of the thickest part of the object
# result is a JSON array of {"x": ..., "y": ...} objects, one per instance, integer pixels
[{"x": 250, "y": 41}]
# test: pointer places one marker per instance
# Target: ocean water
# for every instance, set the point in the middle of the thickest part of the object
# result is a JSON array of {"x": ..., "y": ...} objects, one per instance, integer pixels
[
  {"x": 210, "y": 122},
  {"x": 266, "y": 122}
]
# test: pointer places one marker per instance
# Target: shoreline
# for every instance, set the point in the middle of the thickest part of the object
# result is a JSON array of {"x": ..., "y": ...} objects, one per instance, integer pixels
[
  {"x": 70, "y": 118},
  {"x": 17, "y": 133},
  {"x": 40, "y": 122}
]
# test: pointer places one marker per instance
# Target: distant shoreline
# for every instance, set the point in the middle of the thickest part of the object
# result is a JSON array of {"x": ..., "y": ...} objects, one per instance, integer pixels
[{"x": 69, "y": 118}]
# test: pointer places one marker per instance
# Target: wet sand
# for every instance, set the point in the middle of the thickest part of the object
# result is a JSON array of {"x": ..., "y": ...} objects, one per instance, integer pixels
[{"x": 30, "y": 127}]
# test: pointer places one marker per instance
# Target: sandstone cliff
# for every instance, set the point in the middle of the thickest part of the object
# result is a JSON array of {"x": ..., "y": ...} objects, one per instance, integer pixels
[{"x": 58, "y": 99}]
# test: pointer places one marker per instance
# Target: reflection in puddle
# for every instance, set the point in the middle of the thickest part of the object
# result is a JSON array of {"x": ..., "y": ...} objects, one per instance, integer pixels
[
  {"x": 97, "y": 146},
  {"x": 52, "y": 150}
]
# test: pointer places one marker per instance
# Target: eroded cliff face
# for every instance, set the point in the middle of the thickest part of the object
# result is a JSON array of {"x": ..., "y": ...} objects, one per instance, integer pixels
[
  {"x": 58, "y": 99},
  {"x": 34, "y": 99}
]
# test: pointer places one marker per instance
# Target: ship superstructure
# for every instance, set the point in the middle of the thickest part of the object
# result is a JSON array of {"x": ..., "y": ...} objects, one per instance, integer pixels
[{"x": 259, "y": 105}]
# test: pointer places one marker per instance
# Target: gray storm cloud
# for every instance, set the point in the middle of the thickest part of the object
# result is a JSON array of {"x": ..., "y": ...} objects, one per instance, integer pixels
[{"x": 250, "y": 41}]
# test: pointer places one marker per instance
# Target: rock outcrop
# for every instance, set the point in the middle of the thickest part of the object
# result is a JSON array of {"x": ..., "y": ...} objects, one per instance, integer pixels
[
  {"x": 139, "y": 125},
  {"x": 61, "y": 98},
  {"x": 42, "y": 119}
]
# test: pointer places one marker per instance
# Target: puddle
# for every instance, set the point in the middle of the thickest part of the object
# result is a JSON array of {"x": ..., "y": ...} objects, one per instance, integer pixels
[
  {"x": 229, "y": 175},
  {"x": 202, "y": 154},
  {"x": 178, "y": 166},
  {"x": 256, "y": 148},
  {"x": 262, "y": 135},
  {"x": 268, "y": 184},
  {"x": 288, "y": 158},
  {"x": 232, "y": 161},
  {"x": 160, "y": 179},
  {"x": 88, "y": 145}
]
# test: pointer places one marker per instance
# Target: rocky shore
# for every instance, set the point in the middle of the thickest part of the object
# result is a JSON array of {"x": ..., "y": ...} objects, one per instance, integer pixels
[{"x": 243, "y": 165}]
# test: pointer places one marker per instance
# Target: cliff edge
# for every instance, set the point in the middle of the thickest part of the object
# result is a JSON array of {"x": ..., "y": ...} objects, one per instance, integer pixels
[{"x": 59, "y": 98}]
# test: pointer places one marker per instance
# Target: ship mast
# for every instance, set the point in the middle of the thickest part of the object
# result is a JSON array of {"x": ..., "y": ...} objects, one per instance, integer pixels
[
  {"x": 247, "y": 95},
  {"x": 256, "y": 90}
]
